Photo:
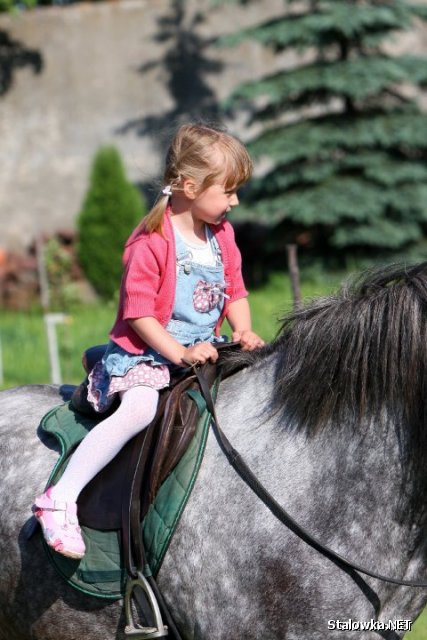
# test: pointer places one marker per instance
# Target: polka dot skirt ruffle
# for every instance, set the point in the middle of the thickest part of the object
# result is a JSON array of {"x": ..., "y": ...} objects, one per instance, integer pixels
[{"x": 101, "y": 395}]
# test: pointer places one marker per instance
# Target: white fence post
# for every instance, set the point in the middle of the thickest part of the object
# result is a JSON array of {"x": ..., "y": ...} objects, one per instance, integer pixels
[
  {"x": 1, "y": 365},
  {"x": 51, "y": 320}
]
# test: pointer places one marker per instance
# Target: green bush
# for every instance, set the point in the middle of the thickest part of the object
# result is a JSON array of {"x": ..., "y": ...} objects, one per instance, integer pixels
[{"x": 111, "y": 209}]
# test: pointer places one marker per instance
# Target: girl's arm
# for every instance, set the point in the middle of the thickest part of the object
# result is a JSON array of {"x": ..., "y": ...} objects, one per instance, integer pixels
[
  {"x": 239, "y": 319},
  {"x": 156, "y": 336}
]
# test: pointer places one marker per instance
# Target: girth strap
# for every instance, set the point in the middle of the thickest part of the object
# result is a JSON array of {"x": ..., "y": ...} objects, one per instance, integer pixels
[{"x": 240, "y": 466}]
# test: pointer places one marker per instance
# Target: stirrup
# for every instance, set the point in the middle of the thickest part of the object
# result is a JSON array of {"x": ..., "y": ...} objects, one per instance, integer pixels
[{"x": 136, "y": 631}]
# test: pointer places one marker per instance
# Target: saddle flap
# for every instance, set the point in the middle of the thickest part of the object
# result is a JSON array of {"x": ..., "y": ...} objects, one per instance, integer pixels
[
  {"x": 155, "y": 451},
  {"x": 176, "y": 430}
]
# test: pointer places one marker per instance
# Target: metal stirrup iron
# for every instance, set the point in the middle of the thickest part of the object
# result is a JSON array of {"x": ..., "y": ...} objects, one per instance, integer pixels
[{"x": 136, "y": 631}]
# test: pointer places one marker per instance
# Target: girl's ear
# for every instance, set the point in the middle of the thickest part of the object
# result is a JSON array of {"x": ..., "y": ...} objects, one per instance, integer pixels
[{"x": 190, "y": 189}]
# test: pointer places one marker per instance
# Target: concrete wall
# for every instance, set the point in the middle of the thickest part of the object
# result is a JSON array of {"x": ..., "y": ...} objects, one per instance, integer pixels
[{"x": 119, "y": 73}]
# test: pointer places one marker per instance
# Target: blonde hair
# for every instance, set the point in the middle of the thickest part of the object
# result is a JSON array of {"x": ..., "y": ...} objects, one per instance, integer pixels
[{"x": 203, "y": 154}]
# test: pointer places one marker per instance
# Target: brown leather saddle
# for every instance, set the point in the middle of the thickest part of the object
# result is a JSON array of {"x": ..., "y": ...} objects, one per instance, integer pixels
[{"x": 122, "y": 492}]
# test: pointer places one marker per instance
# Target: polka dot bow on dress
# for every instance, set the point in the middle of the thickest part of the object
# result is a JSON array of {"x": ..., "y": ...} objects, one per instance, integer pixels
[{"x": 207, "y": 295}]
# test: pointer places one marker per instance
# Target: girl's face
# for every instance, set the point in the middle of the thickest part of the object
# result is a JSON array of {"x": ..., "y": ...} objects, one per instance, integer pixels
[{"x": 212, "y": 204}]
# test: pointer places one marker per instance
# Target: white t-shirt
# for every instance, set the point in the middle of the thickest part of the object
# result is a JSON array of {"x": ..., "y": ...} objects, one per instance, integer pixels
[{"x": 200, "y": 253}]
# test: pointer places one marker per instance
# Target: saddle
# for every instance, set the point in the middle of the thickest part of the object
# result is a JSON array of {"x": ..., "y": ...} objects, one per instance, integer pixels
[{"x": 146, "y": 460}]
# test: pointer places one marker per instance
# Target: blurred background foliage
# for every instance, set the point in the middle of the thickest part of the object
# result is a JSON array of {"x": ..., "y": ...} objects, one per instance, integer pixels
[
  {"x": 342, "y": 134},
  {"x": 19, "y": 5},
  {"x": 112, "y": 208}
]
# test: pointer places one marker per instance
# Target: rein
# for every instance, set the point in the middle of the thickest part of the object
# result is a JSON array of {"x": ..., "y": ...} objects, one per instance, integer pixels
[{"x": 240, "y": 466}]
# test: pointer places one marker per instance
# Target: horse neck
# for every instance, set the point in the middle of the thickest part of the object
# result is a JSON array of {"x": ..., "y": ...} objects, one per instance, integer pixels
[{"x": 344, "y": 485}]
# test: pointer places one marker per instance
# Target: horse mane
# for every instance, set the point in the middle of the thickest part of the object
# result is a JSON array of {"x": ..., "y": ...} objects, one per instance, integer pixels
[{"x": 357, "y": 355}]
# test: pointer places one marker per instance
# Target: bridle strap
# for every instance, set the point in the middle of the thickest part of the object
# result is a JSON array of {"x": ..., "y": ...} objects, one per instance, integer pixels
[{"x": 277, "y": 510}]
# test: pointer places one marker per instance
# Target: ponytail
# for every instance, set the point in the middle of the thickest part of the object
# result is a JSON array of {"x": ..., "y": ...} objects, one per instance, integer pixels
[{"x": 153, "y": 221}]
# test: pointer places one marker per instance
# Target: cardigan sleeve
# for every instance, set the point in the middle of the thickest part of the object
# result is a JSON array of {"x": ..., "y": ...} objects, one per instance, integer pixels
[
  {"x": 238, "y": 289},
  {"x": 141, "y": 280}
]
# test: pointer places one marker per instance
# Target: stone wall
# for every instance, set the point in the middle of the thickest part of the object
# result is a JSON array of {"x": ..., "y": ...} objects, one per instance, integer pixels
[{"x": 122, "y": 73}]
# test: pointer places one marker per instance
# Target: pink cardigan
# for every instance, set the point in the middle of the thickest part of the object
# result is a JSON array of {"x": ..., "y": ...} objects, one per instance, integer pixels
[{"x": 149, "y": 280}]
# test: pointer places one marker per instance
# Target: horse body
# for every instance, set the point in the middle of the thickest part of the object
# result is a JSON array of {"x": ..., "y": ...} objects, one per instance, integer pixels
[
  {"x": 251, "y": 577},
  {"x": 34, "y": 601},
  {"x": 352, "y": 476}
]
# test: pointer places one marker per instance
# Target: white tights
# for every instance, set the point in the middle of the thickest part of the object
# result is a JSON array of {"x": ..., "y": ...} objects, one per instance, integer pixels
[{"x": 135, "y": 412}]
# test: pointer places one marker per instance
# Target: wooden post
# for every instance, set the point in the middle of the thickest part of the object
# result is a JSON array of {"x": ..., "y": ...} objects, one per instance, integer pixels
[
  {"x": 291, "y": 250},
  {"x": 43, "y": 279}
]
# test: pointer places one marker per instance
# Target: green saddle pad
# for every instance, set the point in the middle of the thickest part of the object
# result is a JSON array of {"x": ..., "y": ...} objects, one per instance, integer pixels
[{"x": 101, "y": 572}]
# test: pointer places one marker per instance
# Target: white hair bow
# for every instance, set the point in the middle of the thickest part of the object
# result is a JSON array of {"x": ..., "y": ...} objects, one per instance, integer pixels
[{"x": 167, "y": 191}]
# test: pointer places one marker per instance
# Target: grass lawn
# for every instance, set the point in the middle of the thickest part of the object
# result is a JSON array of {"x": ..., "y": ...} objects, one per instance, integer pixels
[
  {"x": 419, "y": 630},
  {"x": 25, "y": 358},
  {"x": 24, "y": 344}
]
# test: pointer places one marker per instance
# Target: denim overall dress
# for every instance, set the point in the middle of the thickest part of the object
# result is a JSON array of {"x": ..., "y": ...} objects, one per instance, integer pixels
[
  {"x": 199, "y": 296},
  {"x": 199, "y": 299}
]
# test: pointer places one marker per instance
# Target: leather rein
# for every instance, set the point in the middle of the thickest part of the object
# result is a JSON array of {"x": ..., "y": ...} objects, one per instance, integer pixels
[{"x": 240, "y": 466}]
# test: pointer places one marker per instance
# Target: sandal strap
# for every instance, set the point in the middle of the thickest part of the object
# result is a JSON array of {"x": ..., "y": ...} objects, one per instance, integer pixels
[
  {"x": 54, "y": 508},
  {"x": 49, "y": 504}
]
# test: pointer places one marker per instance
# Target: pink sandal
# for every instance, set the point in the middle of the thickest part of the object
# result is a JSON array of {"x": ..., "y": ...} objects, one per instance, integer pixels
[{"x": 60, "y": 526}]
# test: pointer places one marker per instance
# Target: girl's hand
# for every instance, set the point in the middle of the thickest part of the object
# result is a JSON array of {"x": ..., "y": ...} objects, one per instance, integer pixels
[
  {"x": 200, "y": 353},
  {"x": 248, "y": 340}
]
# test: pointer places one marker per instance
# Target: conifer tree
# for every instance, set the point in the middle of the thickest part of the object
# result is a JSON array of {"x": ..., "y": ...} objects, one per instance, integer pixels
[
  {"x": 111, "y": 209},
  {"x": 343, "y": 131}
]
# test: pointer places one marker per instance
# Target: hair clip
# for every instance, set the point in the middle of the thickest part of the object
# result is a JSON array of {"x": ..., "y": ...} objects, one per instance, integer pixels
[{"x": 167, "y": 191}]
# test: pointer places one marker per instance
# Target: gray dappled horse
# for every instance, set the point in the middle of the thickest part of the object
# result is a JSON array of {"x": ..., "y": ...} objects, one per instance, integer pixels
[{"x": 332, "y": 418}]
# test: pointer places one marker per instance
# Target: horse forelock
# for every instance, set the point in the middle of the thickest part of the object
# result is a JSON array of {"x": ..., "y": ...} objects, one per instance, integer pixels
[{"x": 358, "y": 356}]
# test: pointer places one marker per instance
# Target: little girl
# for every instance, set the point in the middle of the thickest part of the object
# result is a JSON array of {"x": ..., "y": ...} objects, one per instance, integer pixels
[{"x": 182, "y": 277}]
